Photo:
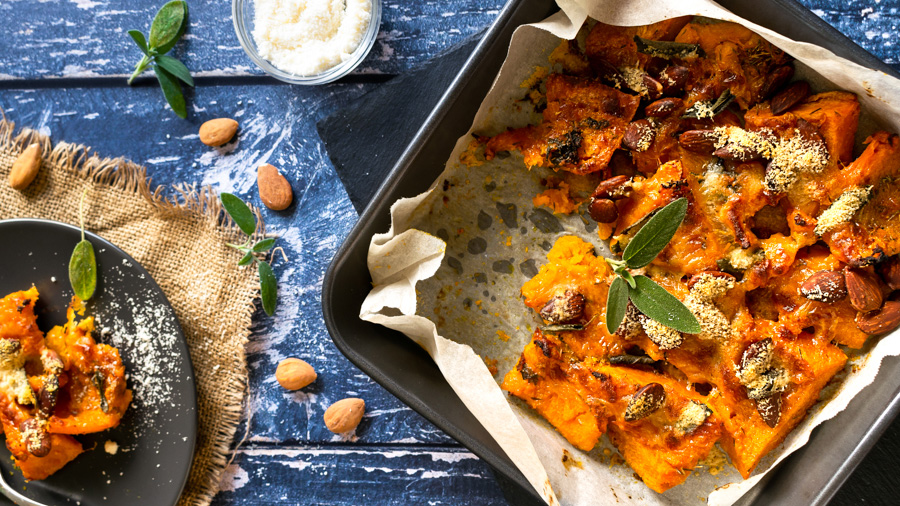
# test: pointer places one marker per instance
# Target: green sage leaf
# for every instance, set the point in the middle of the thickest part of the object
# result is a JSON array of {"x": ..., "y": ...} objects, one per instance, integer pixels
[
  {"x": 172, "y": 91},
  {"x": 653, "y": 237},
  {"x": 264, "y": 245},
  {"x": 168, "y": 25},
  {"x": 176, "y": 68},
  {"x": 246, "y": 259},
  {"x": 268, "y": 289},
  {"x": 667, "y": 49},
  {"x": 623, "y": 272},
  {"x": 709, "y": 109},
  {"x": 616, "y": 304},
  {"x": 660, "y": 305},
  {"x": 239, "y": 212},
  {"x": 83, "y": 270},
  {"x": 139, "y": 39}
]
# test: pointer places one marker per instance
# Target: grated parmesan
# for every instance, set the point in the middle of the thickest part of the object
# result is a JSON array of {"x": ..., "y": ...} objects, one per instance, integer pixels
[
  {"x": 307, "y": 37},
  {"x": 842, "y": 209}
]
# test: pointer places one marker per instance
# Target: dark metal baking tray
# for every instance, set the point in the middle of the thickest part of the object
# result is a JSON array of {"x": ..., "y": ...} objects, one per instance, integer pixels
[{"x": 406, "y": 370}]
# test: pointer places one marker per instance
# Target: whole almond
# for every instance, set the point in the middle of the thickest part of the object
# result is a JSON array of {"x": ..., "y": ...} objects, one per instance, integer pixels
[
  {"x": 344, "y": 415},
  {"x": 654, "y": 87},
  {"x": 609, "y": 188},
  {"x": 294, "y": 374},
  {"x": 698, "y": 141},
  {"x": 864, "y": 289},
  {"x": 663, "y": 107},
  {"x": 890, "y": 272},
  {"x": 769, "y": 409},
  {"x": 674, "y": 78},
  {"x": 789, "y": 97},
  {"x": 639, "y": 135},
  {"x": 274, "y": 190},
  {"x": 563, "y": 308},
  {"x": 775, "y": 80},
  {"x": 645, "y": 401},
  {"x": 824, "y": 286},
  {"x": 26, "y": 167},
  {"x": 217, "y": 132},
  {"x": 879, "y": 322},
  {"x": 603, "y": 210}
]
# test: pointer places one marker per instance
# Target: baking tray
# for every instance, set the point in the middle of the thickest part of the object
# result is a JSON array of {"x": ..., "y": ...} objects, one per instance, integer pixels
[{"x": 811, "y": 475}]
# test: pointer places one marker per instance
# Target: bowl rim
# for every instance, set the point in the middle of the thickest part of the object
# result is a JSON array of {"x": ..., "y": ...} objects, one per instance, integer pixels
[{"x": 242, "y": 30}]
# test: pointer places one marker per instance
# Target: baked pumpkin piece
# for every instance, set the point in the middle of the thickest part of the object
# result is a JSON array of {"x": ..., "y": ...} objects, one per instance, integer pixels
[
  {"x": 543, "y": 381},
  {"x": 583, "y": 124},
  {"x": 767, "y": 381},
  {"x": 660, "y": 427}
]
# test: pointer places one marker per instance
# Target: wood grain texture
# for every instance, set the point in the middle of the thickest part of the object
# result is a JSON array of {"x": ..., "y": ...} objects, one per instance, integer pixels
[{"x": 62, "y": 70}]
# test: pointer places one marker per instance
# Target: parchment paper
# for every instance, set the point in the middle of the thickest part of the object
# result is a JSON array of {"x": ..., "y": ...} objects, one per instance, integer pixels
[{"x": 449, "y": 271}]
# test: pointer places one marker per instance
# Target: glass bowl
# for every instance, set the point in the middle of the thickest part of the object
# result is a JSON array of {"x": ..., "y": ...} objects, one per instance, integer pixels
[{"x": 243, "y": 15}]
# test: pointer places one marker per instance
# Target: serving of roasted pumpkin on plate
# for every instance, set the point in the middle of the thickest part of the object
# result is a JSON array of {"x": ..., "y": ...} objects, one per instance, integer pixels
[{"x": 787, "y": 255}]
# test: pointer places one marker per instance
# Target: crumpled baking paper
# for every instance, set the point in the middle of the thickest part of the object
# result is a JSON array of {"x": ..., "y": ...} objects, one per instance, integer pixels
[{"x": 448, "y": 272}]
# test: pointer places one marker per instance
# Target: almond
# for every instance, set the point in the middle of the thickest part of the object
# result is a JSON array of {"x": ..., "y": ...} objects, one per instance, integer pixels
[
  {"x": 769, "y": 409},
  {"x": 609, "y": 188},
  {"x": 654, "y": 87},
  {"x": 864, "y": 289},
  {"x": 775, "y": 80},
  {"x": 639, "y": 135},
  {"x": 880, "y": 322},
  {"x": 789, "y": 97},
  {"x": 645, "y": 401},
  {"x": 663, "y": 107},
  {"x": 294, "y": 374},
  {"x": 698, "y": 141},
  {"x": 824, "y": 286},
  {"x": 603, "y": 210},
  {"x": 217, "y": 132},
  {"x": 674, "y": 78},
  {"x": 563, "y": 308},
  {"x": 274, "y": 190},
  {"x": 890, "y": 272},
  {"x": 26, "y": 167},
  {"x": 344, "y": 415}
]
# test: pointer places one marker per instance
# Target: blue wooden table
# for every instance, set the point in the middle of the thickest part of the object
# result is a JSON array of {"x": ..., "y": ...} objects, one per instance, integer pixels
[{"x": 63, "y": 69}]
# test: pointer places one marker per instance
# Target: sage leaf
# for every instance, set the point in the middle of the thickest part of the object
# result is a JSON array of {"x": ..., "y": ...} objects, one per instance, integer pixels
[
  {"x": 667, "y": 49},
  {"x": 268, "y": 289},
  {"x": 239, "y": 212},
  {"x": 565, "y": 327},
  {"x": 656, "y": 303},
  {"x": 83, "y": 270},
  {"x": 264, "y": 245},
  {"x": 709, "y": 109},
  {"x": 623, "y": 272},
  {"x": 616, "y": 304},
  {"x": 168, "y": 26},
  {"x": 653, "y": 237},
  {"x": 176, "y": 68},
  {"x": 246, "y": 259},
  {"x": 172, "y": 91},
  {"x": 139, "y": 39}
]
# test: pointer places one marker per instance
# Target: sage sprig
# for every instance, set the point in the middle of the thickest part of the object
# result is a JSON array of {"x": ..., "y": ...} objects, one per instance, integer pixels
[
  {"x": 648, "y": 297},
  {"x": 168, "y": 26},
  {"x": 243, "y": 217},
  {"x": 83, "y": 263}
]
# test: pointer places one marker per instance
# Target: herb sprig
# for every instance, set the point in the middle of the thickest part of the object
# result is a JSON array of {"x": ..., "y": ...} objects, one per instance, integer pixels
[
  {"x": 168, "y": 26},
  {"x": 648, "y": 297},
  {"x": 243, "y": 217},
  {"x": 83, "y": 263}
]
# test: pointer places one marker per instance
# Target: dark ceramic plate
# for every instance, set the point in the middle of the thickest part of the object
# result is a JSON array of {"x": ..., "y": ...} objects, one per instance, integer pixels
[{"x": 156, "y": 436}]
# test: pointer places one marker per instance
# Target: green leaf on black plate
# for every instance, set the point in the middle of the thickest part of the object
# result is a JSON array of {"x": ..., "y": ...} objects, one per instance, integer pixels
[
  {"x": 660, "y": 305},
  {"x": 653, "y": 237},
  {"x": 268, "y": 288},
  {"x": 176, "y": 68},
  {"x": 616, "y": 304},
  {"x": 139, "y": 40},
  {"x": 264, "y": 245},
  {"x": 239, "y": 212},
  {"x": 168, "y": 25},
  {"x": 172, "y": 90},
  {"x": 83, "y": 270}
]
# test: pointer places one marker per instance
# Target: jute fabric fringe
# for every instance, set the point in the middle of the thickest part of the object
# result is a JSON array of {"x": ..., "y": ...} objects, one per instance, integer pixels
[{"x": 178, "y": 234}]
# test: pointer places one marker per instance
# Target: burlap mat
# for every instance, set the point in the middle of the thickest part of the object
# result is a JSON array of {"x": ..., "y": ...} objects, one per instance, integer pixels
[{"x": 175, "y": 239}]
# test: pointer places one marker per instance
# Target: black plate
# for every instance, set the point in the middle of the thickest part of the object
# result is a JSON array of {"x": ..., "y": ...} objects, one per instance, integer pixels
[
  {"x": 810, "y": 476},
  {"x": 157, "y": 434}
]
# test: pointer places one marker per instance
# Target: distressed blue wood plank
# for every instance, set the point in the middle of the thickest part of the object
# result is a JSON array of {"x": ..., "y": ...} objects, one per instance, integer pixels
[
  {"x": 352, "y": 476},
  {"x": 86, "y": 38},
  {"x": 872, "y": 25}
]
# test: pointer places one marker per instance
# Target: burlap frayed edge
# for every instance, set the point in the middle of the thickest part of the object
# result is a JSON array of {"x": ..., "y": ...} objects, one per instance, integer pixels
[{"x": 176, "y": 199}]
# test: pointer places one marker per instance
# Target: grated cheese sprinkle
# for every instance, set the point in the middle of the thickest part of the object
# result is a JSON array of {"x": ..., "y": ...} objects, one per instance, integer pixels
[{"x": 843, "y": 209}]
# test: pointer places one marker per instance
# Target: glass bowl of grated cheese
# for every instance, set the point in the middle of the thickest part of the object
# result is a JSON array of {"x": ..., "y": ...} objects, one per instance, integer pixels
[{"x": 307, "y": 41}]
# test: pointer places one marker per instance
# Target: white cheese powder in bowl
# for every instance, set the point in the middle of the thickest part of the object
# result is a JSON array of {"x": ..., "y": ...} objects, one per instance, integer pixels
[{"x": 307, "y": 41}]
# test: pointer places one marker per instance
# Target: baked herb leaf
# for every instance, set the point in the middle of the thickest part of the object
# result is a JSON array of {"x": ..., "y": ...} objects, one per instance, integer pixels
[
  {"x": 616, "y": 304},
  {"x": 658, "y": 304},
  {"x": 667, "y": 49},
  {"x": 653, "y": 237}
]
